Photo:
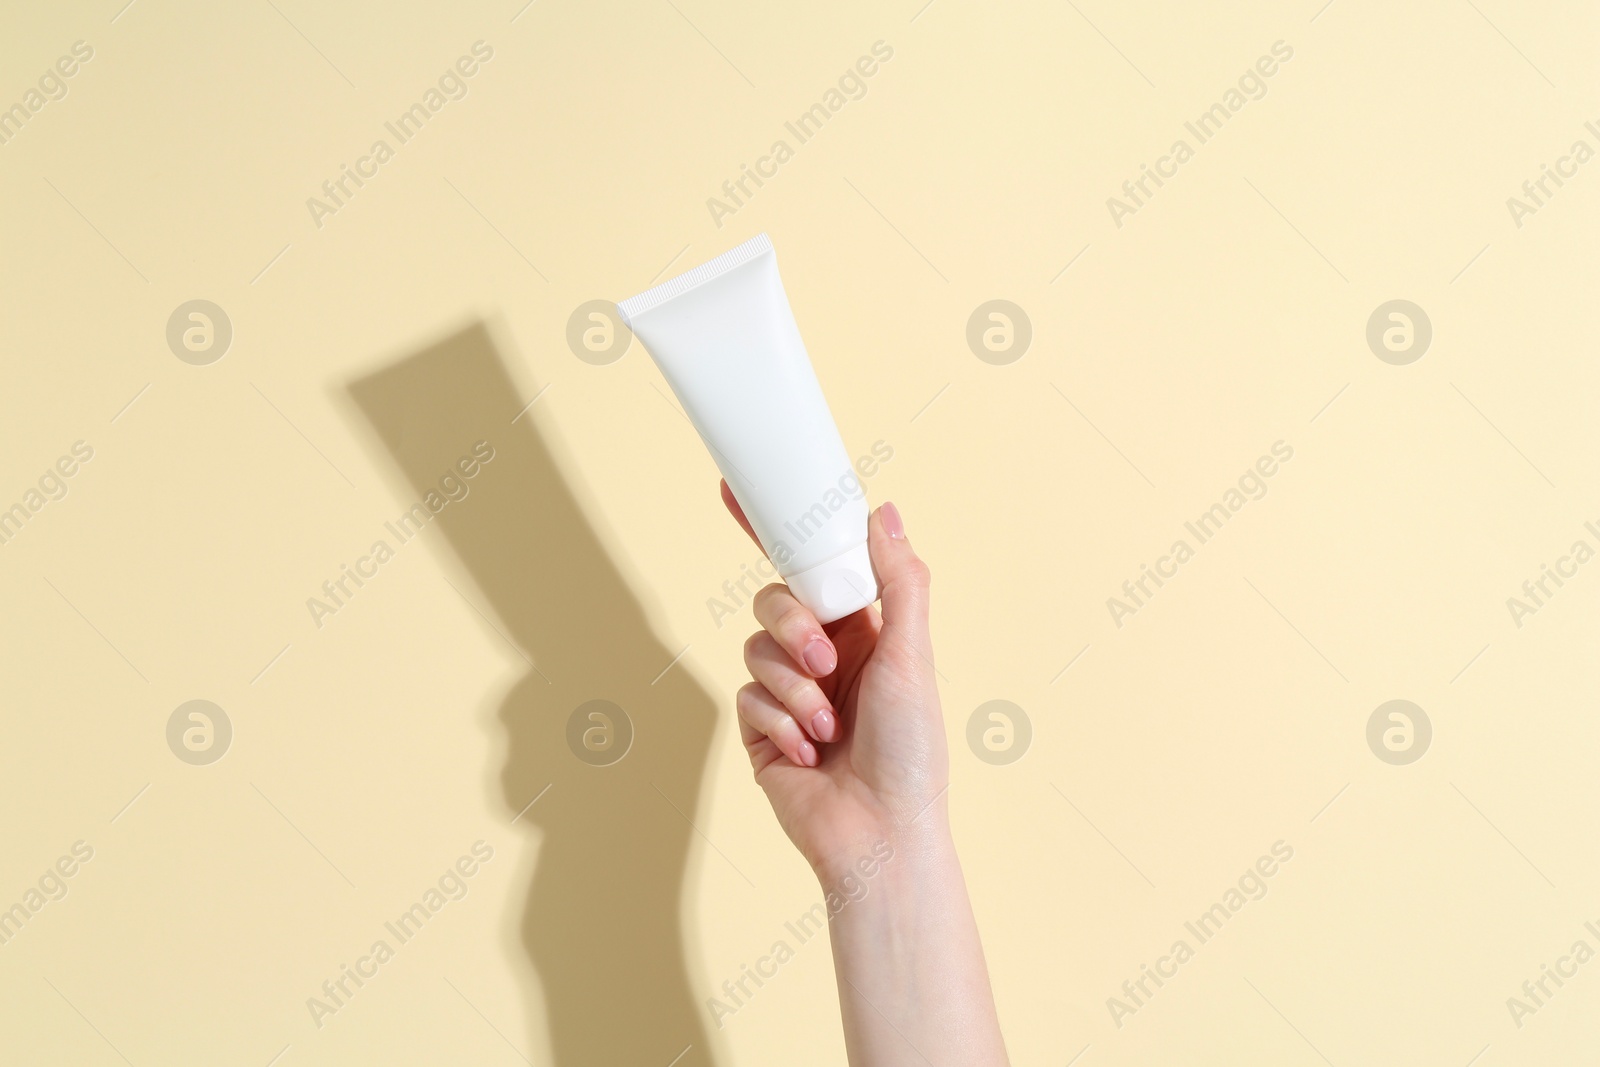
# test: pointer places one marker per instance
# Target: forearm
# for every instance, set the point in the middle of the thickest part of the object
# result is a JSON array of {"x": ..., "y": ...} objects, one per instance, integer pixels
[{"x": 913, "y": 986}]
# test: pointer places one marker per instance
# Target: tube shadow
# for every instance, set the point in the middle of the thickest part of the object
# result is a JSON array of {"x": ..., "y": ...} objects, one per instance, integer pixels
[{"x": 601, "y": 924}]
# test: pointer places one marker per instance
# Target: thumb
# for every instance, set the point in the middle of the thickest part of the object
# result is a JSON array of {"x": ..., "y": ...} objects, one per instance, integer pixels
[{"x": 904, "y": 581}]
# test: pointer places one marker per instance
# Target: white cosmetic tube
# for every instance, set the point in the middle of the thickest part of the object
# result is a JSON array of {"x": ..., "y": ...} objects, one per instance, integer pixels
[{"x": 727, "y": 343}]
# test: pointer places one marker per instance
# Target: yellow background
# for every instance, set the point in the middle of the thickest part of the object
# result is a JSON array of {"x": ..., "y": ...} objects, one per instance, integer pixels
[{"x": 1230, "y": 713}]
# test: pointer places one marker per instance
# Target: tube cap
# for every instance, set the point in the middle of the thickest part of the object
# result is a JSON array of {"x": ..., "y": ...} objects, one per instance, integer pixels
[{"x": 837, "y": 587}]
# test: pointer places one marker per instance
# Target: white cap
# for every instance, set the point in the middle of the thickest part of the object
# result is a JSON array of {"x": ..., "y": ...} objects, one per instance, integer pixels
[{"x": 837, "y": 587}]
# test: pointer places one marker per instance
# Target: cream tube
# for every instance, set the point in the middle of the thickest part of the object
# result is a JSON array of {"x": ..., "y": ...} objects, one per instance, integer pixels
[{"x": 727, "y": 343}]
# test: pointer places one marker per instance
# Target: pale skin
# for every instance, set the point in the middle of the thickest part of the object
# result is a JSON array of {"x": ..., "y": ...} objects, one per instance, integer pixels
[{"x": 844, "y": 729}]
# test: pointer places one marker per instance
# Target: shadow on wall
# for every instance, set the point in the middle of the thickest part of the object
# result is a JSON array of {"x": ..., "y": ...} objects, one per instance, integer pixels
[{"x": 601, "y": 925}]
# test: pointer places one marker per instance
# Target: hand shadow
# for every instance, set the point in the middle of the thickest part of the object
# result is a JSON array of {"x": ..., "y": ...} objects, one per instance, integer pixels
[{"x": 602, "y": 922}]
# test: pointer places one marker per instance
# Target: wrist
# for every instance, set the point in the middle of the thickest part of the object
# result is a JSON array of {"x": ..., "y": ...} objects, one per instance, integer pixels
[
  {"x": 906, "y": 950},
  {"x": 896, "y": 856}
]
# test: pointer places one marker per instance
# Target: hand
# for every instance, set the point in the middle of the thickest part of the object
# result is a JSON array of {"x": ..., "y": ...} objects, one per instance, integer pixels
[
  {"x": 843, "y": 727},
  {"x": 842, "y": 722}
]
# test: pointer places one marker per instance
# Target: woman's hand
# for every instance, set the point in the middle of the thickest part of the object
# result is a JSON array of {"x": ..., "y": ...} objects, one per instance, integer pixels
[
  {"x": 843, "y": 727},
  {"x": 842, "y": 722}
]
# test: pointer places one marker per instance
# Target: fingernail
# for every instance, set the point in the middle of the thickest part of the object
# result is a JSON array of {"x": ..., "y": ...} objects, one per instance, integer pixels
[
  {"x": 808, "y": 754},
  {"x": 892, "y": 524},
  {"x": 822, "y": 725},
  {"x": 820, "y": 658}
]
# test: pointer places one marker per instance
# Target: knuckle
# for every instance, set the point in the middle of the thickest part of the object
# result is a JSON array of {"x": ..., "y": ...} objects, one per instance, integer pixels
[
  {"x": 797, "y": 692},
  {"x": 786, "y": 731},
  {"x": 908, "y": 586},
  {"x": 793, "y": 622},
  {"x": 784, "y": 613},
  {"x": 760, "y": 653},
  {"x": 764, "y": 595},
  {"x": 747, "y": 699}
]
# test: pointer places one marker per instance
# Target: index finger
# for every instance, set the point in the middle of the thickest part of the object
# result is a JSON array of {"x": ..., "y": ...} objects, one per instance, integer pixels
[
  {"x": 732, "y": 504},
  {"x": 796, "y": 630}
]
